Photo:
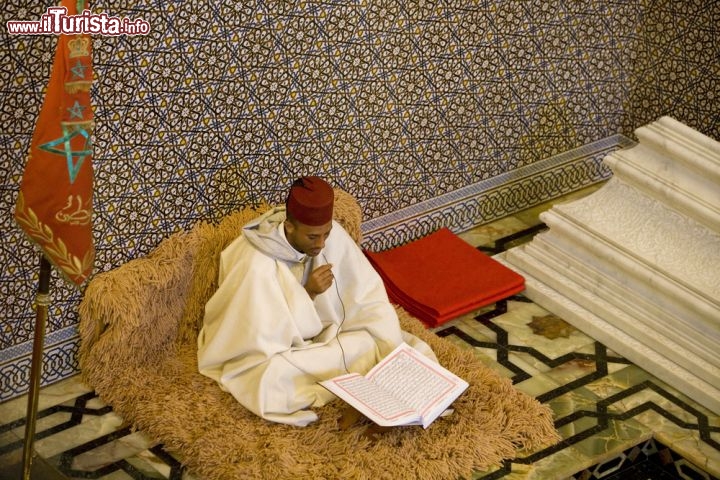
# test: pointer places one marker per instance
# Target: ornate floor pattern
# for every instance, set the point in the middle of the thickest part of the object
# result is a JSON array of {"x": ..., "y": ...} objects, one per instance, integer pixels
[
  {"x": 608, "y": 411},
  {"x": 617, "y": 421}
]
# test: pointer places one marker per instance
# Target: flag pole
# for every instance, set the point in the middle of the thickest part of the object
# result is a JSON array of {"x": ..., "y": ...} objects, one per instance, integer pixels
[
  {"x": 42, "y": 301},
  {"x": 55, "y": 213}
]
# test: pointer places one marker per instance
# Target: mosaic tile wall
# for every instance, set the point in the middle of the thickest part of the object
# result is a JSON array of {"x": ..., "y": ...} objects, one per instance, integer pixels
[{"x": 224, "y": 103}]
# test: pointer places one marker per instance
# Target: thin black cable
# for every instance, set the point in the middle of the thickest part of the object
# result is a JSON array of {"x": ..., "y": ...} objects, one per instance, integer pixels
[{"x": 342, "y": 305}]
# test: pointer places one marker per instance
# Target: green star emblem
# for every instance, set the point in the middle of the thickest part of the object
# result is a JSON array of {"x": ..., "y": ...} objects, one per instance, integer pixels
[{"x": 74, "y": 158}]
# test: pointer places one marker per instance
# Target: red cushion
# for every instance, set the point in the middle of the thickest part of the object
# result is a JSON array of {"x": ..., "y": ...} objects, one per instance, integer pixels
[{"x": 440, "y": 277}]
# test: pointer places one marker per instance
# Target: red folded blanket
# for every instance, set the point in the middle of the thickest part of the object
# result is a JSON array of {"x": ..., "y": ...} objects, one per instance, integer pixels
[{"x": 440, "y": 277}]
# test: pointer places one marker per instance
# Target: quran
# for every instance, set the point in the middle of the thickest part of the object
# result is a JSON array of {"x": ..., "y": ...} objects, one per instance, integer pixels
[{"x": 405, "y": 388}]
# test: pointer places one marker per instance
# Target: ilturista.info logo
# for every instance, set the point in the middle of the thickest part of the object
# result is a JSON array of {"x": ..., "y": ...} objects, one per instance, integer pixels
[{"x": 56, "y": 21}]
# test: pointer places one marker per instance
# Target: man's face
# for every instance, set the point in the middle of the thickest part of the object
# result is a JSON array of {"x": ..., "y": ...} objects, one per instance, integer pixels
[{"x": 307, "y": 239}]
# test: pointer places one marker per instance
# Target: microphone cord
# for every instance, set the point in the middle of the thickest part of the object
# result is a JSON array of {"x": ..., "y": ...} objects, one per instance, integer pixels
[{"x": 342, "y": 305}]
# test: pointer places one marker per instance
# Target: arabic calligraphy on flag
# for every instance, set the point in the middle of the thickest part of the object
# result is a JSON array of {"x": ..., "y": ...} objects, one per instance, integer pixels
[{"x": 54, "y": 205}]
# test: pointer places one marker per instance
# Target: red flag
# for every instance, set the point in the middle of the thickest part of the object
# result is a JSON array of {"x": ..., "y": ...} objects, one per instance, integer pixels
[{"x": 54, "y": 206}]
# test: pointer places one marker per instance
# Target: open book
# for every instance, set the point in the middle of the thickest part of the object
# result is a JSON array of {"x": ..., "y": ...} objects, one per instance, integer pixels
[{"x": 405, "y": 388}]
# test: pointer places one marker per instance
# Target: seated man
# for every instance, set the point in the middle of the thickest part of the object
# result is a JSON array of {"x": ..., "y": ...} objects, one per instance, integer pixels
[{"x": 297, "y": 303}]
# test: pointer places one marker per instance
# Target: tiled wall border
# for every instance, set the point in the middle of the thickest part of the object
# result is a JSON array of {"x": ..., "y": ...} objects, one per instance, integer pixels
[
  {"x": 59, "y": 362},
  {"x": 496, "y": 197}
]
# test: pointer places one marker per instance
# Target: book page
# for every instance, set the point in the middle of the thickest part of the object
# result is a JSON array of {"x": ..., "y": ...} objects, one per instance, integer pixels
[
  {"x": 417, "y": 381},
  {"x": 405, "y": 388},
  {"x": 371, "y": 400}
]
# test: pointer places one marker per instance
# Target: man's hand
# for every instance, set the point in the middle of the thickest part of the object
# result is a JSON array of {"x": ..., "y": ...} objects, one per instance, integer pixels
[{"x": 319, "y": 280}]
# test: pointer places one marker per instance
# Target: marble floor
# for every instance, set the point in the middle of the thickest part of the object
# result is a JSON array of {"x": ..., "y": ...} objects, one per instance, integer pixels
[{"x": 617, "y": 421}]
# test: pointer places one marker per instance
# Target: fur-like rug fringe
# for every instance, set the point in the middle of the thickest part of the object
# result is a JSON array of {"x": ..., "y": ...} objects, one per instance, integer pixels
[{"x": 138, "y": 328}]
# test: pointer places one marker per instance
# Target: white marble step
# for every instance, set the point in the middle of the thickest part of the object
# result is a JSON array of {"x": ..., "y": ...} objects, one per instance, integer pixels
[
  {"x": 691, "y": 333},
  {"x": 684, "y": 349},
  {"x": 691, "y": 195},
  {"x": 677, "y": 171},
  {"x": 695, "y": 151},
  {"x": 676, "y": 249},
  {"x": 593, "y": 324}
]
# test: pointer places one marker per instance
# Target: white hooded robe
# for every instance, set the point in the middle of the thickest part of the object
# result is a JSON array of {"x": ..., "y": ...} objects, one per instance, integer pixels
[{"x": 268, "y": 344}]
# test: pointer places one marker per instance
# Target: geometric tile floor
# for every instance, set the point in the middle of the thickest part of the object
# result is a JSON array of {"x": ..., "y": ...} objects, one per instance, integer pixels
[
  {"x": 603, "y": 405},
  {"x": 617, "y": 421}
]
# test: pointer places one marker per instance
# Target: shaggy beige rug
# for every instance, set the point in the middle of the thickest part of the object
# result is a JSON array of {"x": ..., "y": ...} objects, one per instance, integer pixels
[{"x": 138, "y": 328}]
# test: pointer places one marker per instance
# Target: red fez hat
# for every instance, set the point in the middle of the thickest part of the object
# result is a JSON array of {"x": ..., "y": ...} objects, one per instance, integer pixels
[{"x": 310, "y": 201}]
